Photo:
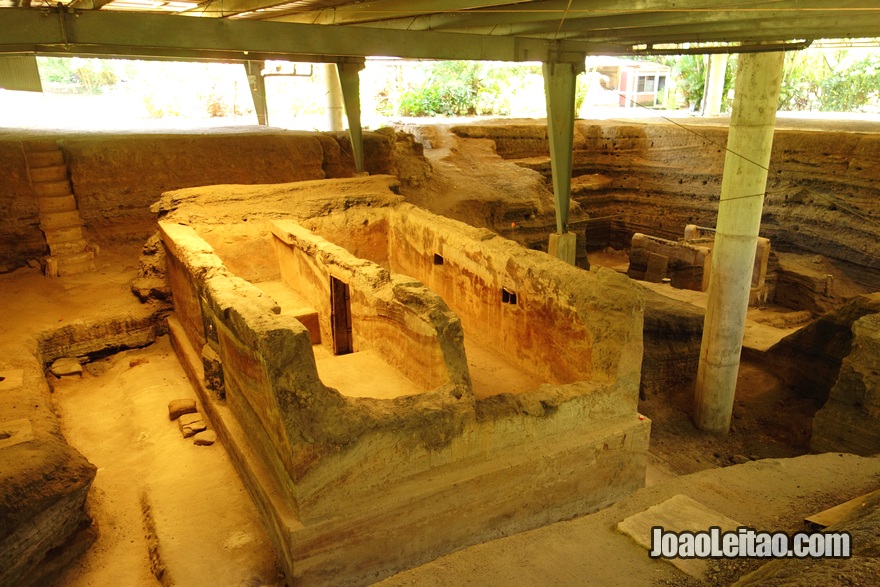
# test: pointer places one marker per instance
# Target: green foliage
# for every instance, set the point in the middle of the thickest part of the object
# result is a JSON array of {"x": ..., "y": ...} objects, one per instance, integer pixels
[
  {"x": 853, "y": 89},
  {"x": 690, "y": 73},
  {"x": 56, "y": 70},
  {"x": 801, "y": 76},
  {"x": 460, "y": 88},
  {"x": 88, "y": 76}
]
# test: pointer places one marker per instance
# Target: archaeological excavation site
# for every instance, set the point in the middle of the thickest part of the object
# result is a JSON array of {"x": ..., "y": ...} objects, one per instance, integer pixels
[{"x": 440, "y": 352}]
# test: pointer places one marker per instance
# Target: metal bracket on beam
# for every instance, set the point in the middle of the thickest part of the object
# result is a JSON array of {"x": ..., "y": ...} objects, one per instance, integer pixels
[
  {"x": 100, "y": 32},
  {"x": 562, "y": 52}
]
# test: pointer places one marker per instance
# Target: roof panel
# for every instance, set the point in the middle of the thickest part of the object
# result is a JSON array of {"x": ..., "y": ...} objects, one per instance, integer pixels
[{"x": 586, "y": 26}]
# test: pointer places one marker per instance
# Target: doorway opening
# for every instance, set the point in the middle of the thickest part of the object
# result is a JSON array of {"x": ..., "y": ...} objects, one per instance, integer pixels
[{"x": 340, "y": 317}]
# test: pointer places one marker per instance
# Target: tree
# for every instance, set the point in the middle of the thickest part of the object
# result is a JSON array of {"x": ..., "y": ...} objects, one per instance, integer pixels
[
  {"x": 854, "y": 89},
  {"x": 801, "y": 75},
  {"x": 89, "y": 76},
  {"x": 462, "y": 88}
]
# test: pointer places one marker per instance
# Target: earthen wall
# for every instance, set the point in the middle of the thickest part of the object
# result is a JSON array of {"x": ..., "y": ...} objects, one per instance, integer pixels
[
  {"x": 656, "y": 178},
  {"x": 560, "y": 322},
  {"x": 397, "y": 317}
]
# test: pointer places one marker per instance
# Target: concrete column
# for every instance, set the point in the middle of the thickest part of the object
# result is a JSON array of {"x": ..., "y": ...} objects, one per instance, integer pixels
[
  {"x": 715, "y": 84},
  {"x": 349, "y": 80},
  {"x": 257, "y": 83},
  {"x": 739, "y": 218},
  {"x": 334, "y": 98},
  {"x": 559, "y": 91}
]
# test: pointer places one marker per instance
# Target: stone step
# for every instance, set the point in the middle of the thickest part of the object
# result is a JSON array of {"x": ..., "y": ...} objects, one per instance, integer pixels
[
  {"x": 40, "y": 159},
  {"x": 63, "y": 235},
  {"x": 56, "y": 204},
  {"x": 69, "y": 268},
  {"x": 56, "y": 220},
  {"x": 69, "y": 247},
  {"x": 53, "y": 173},
  {"x": 81, "y": 257},
  {"x": 63, "y": 265},
  {"x": 48, "y": 189},
  {"x": 33, "y": 146}
]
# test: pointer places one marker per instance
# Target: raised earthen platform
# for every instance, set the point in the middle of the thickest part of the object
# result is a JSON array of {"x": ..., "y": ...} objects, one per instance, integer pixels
[{"x": 336, "y": 473}]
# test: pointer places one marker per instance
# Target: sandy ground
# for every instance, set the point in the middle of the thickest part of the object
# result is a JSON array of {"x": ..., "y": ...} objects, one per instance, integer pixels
[
  {"x": 208, "y": 530},
  {"x": 116, "y": 415},
  {"x": 589, "y": 551}
]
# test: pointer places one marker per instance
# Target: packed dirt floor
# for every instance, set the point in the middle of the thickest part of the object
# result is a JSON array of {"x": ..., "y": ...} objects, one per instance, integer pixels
[
  {"x": 206, "y": 528},
  {"x": 208, "y": 531}
]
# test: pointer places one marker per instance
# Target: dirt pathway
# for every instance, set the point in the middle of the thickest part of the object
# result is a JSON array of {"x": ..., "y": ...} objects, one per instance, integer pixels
[{"x": 208, "y": 530}]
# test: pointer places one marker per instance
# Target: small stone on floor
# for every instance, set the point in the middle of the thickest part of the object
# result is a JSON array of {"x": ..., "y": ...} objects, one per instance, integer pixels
[
  {"x": 179, "y": 407},
  {"x": 205, "y": 438},
  {"x": 191, "y": 424},
  {"x": 66, "y": 366}
]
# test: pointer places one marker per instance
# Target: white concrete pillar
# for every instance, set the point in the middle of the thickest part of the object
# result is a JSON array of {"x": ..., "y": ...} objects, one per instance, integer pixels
[
  {"x": 334, "y": 98},
  {"x": 715, "y": 84},
  {"x": 749, "y": 142}
]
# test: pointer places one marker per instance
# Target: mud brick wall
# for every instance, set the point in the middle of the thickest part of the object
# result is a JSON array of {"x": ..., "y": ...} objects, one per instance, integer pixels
[
  {"x": 658, "y": 178},
  {"x": 566, "y": 324},
  {"x": 20, "y": 235},
  {"x": 406, "y": 323},
  {"x": 688, "y": 266}
]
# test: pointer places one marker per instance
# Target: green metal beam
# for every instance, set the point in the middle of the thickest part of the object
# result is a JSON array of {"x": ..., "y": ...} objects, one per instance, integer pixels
[
  {"x": 612, "y": 13},
  {"x": 126, "y": 33},
  {"x": 158, "y": 54},
  {"x": 351, "y": 95},
  {"x": 363, "y": 12},
  {"x": 748, "y": 32},
  {"x": 559, "y": 91},
  {"x": 257, "y": 84},
  {"x": 626, "y": 28}
]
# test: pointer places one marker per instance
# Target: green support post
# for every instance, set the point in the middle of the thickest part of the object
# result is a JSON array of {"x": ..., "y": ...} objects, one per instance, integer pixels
[
  {"x": 349, "y": 79},
  {"x": 559, "y": 90},
  {"x": 257, "y": 84}
]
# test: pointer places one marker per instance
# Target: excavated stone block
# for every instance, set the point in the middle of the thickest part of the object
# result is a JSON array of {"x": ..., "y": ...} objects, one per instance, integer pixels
[
  {"x": 66, "y": 366},
  {"x": 688, "y": 266},
  {"x": 205, "y": 438},
  {"x": 677, "y": 514},
  {"x": 191, "y": 424},
  {"x": 179, "y": 407},
  {"x": 56, "y": 220}
]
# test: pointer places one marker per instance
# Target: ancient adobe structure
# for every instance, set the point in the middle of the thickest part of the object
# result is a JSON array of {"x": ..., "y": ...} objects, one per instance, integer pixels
[
  {"x": 579, "y": 333},
  {"x": 351, "y": 469}
]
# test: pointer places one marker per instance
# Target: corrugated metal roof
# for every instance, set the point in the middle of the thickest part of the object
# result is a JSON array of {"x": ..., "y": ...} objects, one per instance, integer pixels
[{"x": 20, "y": 73}]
